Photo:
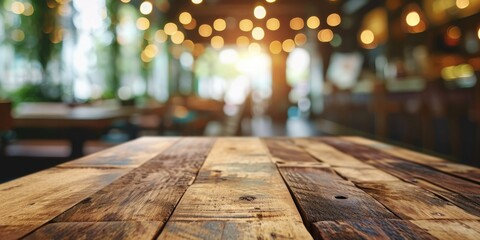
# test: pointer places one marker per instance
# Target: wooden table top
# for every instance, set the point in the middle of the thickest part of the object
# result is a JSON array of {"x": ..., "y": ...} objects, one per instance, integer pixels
[
  {"x": 246, "y": 188},
  {"x": 58, "y": 115}
]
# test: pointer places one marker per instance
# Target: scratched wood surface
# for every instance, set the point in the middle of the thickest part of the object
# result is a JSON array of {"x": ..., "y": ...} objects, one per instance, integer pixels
[{"x": 246, "y": 188}]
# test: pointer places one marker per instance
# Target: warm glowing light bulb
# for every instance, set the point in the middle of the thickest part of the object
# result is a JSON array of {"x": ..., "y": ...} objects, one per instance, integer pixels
[
  {"x": 205, "y": 30},
  {"x": 297, "y": 23},
  {"x": 325, "y": 35},
  {"x": 260, "y": 12},
  {"x": 288, "y": 45},
  {"x": 243, "y": 41},
  {"x": 170, "y": 28},
  {"x": 245, "y": 25},
  {"x": 313, "y": 22},
  {"x": 334, "y": 20},
  {"x": 217, "y": 42},
  {"x": 192, "y": 25},
  {"x": 275, "y": 47},
  {"x": 185, "y": 18},
  {"x": 258, "y": 33},
  {"x": 219, "y": 24},
  {"x": 300, "y": 39},
  {"x": 413, "y": 19},
  {"x": 146, "y": 8},
  {"x": 161, "y": 36},
  {"x": 143, "y": 23},
  {"x": 478, "y": 33},
  {"x": 461, "y": 4},
  {"x": 178, "y": 37},
  {"x": 270, "y": 1},
  {"x": 367, "y": 37},
  {"x": 197, "y": 1},
  {"x": 17, "y": 7},
  {"x": 273, "y": 24},
  {"x": 125, "y": 1}
]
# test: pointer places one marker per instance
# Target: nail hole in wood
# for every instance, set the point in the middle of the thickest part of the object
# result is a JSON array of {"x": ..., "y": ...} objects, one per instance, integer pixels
[{"x": 340, "y": 197}]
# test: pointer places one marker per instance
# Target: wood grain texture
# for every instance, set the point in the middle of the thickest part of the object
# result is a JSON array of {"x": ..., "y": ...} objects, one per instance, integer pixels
[
  {"x": 10, "y": 232},
  {"x": 411, "y": 202},
  {"x": 28, "y": 202},
  {"x": 130, "y": 154},
  {"x": 97, "y": 230},
  {"x": 396, "y": 151},
  {"x": 283, "y": 150},
  {"x": 233, "y": 230},
  {"x": 364, "y": 174},
  {"x": 329, "y": 154},
  {"x": 369, "y": 229},
  {"x": 406, "y": 170},
  {"x": 322, "y": 195},
  {"x": 451, "y": 229},
  {"x": 460, "y": 170},
  {"x": 240, "y": 184},
  {"x": 149, "y": 192}
]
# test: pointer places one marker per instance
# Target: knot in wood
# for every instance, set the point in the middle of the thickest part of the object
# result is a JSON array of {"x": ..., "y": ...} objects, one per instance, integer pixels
[{"x": 247, "y": 198}]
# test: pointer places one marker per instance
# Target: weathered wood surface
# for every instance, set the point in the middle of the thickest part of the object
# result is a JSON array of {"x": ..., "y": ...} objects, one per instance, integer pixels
[
  {"x": 128, "y": 155},
  {"x": 147, "y": 193},
  {"x": 29, "y": 202},
  {"x": 237, "y": 190},
  {"x": 322, "y": 195},
  {"x": 246, "y": 188},
  {"x": 369, "y": 229},
  {"x": 97, "y": 230},
  {"x": 450, "y": 229}
]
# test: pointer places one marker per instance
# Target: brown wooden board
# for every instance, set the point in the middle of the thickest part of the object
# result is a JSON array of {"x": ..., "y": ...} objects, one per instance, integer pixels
[
  {"x": 451, "y": 229},
  {"x": 364, "y": 174},
  {"x": 28, "y": 202},
  {"x": 321, "y": 195},
  {"x": 329, "y": 154},
  {"x": 411, "y": 202},
  {"x": 131, "y": 154},
  {"x": 149, "y": 192},
  {"x": 283, "y": 150},
  {"x": 369, "y": 229},
  {"x": 97, "y": 230},
  {"x": 406, "y": 170},
  {"x": 463, "y": 171},
  {"x": 240, "y": 185}
]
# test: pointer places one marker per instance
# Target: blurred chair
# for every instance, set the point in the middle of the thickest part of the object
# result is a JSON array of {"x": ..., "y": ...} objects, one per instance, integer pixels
[{"x": 6, "y": 125}]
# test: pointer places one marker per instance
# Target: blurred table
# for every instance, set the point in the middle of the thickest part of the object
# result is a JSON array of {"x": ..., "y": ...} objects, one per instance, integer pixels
[
  {"x": 246, "y": 188},
  {"x": 78, "y": 120}
]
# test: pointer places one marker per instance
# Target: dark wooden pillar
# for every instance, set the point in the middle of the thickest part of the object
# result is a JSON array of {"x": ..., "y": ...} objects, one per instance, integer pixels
[{"x": 279, "y": 102}]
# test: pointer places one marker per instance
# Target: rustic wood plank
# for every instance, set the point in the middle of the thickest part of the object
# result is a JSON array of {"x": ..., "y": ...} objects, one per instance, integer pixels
[
  {"x": 369, "y": 229},
  {"x": 233, "y": 230},
  {"x": 149, "y": 192},
  {"x": 283, "y": 150},
  {"x": 397, "y": 151},
  {"x": 459, "y": 170},
  {"x": 10, "y": 232},
  {"x": 364, "y": 174},
  {"x": 329, "y": 154},
  {"x": 406, "y": 170},
  {"x": 321, "y": 195},
  {"x": 130, "y": 154},
  {"x": 455, "y": 198},
  {"x": 240, "y": 185},
  {"x": 97, "y": 230},
  {"x": 31, "y": 201},
  {"x": 411, "y": 202},
  {"x": 451, "y": 229}
]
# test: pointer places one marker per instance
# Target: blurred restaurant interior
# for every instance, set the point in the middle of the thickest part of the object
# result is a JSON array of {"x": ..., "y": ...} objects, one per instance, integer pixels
[{"x": 79, "y": 76}]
